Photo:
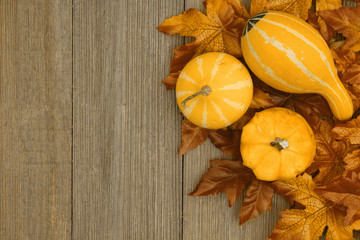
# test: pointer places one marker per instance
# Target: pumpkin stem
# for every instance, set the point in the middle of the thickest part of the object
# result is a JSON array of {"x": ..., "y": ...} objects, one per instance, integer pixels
[
  {"x": 280, "y": 144},
  {"x": 205, "y": 90}
]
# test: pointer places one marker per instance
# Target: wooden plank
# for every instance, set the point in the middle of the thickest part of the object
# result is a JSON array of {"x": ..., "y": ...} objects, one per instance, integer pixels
[
  {"x": 209, "y": 217},
  {"x": 35, "y": 119},
  {"x": 127, "y": 175}
]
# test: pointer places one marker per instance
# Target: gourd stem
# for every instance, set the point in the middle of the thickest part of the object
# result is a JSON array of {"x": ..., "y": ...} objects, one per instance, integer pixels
[
  {"x": 205, "y": 90},
  {"x": 280, "y": 144}
]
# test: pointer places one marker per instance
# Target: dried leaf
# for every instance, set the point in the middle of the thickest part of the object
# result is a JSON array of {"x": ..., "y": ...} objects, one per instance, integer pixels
[
  {"x": 250, "y": 113},
  {"x": 352, "y": 75},
  {"x": 308, "y": 223},
  {"x": 218, "y": 31},
  {"x": 191, "y": 136},
  {"x": 345, "y": 20},
  {"x": 329, "y": 152},
  {"x": 257, "y": 200},
  {"x": 344, "y": 59},
  {"x": 354, "y": 91},
  {"x": 224, "y": 176},
  {"x": 298, "y": 8},
  {"x": 352, "y": 161},
  {"x": 227, "y": 141},
  {"x": 344, "y": 192},
  {"x": 310, "y": 106},
  {"x": 348, "y": 131},
  {"x": 261, "y": 99},
  {"x": 239, "y": 9}
]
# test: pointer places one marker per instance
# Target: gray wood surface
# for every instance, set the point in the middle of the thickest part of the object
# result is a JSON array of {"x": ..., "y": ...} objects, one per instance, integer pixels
[
  {"x": 127, "y": 174},
  {"x": 89, "y": 136},
  {"x": 35, "y": 119}
]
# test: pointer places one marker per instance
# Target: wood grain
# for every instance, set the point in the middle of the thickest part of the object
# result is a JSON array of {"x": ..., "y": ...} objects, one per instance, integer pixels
[
  {"x": 127, "y": 174},
  {"x": 35, "y": 119}
]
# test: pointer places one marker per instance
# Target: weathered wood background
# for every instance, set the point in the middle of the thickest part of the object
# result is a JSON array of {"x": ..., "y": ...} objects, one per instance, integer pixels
[{"x": 88, "y": 134}]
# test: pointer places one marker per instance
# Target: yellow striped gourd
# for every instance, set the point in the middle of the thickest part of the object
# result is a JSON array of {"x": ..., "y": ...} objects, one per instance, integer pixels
[
  {"x": 288, "y": 54},
  {"x": 214, "y": 90}
]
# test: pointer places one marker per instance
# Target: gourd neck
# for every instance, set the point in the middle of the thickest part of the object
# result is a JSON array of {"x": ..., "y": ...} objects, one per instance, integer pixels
[
  {"x": 280, "y": 144},
  {"x": 205, "y": 91}
]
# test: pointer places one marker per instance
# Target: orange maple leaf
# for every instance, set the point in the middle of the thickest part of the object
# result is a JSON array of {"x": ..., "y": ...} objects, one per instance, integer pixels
[
  {"x": 348, "y": 131},
  {"x": 298, "y": 8},
  {"x": 352, "y": 161},
  {"x": 308, "y": 223},
  {"x": 345, "y": 192},
  {"x": 345, "y": 20}
]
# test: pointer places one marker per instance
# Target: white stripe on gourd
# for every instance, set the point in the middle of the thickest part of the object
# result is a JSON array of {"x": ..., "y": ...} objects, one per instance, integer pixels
[
  {"x": 182, "y": 93},
  {"x": 200, "y": 62},
  {"x": 188, "y": 110},
  {"x": 187, "y": 78},
  {"x": 204, "y": 120},
  {"x": 237, "y": 106},
  {"x": 220, "y": 113}
]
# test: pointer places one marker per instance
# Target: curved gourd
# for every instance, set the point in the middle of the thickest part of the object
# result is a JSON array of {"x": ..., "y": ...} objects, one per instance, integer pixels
[
  {"x": 214, "y": 90},
  {"x": 277, "y": 144},
  {"x": 288, "y": 54}
]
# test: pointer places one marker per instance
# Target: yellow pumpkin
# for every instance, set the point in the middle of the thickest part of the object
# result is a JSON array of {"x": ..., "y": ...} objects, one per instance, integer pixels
[
  {"x": 214, "y": 90},
  {"x": 288, "y": 54},
  {"x": 277, "y": 144}
]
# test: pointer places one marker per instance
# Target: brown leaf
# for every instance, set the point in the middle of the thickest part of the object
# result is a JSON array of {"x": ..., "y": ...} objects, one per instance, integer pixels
[
  {"x": 298, "y": 8},
  {"x": 352, "y": 75},
  {"x": 345, "y": 20},
  {"x": 224, "y": 176},
  {"x": 227, "y": 141},
  {"x": 257, "y": 200},
  {"x": 344, "y": 58},
  {"x": 354, "y": 91},
  {"x": 250, "y": 113},
  {"x": 348, "y": 131},
  {"x": 261, "y": 99},
  {"x": 352, "y": 161},
  {"x": 239, "y": 9},
  {"x": 191, "y": 136},
  {"x": 344, "y": 192},
  {"x": 329, "y": 152},
  {"x": 309, "y": 106},
  {"x": 308, "y": 223}
]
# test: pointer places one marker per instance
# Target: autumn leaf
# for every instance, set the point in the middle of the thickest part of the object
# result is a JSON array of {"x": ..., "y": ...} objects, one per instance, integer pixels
[
  {"x": 298, "y": 8},
  {"x": 344, "y": 192},
  {"x": 218, "y": 31},
  {"x": 325, "y": 30},
  {"x": 308, "y": 223},
  {"x": 191, "y": 136},
  {"x": 257, "y": 200},
  {"x": 239, "y": 9},
  {"x": 227, "y": 141},
  {"x": 352, "y": 75},
  {"x": 348, "y": 131},
  {"x": 261, "y": 99},
  {"x": 345, "y": 20},
  {"x": 224, "y": 176},
  {"x": 352, "y": 161},
  {"x": 245, "y": 119},
  {"x": 329, "y": 152},
  {"x": 182, "y": 56}
]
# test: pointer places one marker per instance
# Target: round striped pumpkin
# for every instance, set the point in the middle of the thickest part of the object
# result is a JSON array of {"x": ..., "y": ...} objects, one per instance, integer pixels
[
  {"x": 288, "y": 54},
  {"x": 214, "y": 90}
]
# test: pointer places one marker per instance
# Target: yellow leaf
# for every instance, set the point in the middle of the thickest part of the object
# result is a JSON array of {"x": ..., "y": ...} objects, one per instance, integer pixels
[
  {"x": 298, "y": 8},
  {"x": 218, "y": 31},
  {"x": 308, "y": 223}
]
